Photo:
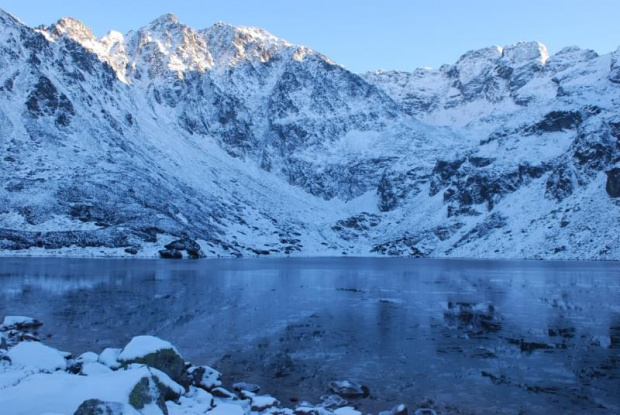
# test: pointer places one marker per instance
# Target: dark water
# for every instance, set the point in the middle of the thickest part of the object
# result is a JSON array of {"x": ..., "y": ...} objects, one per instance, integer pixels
[{"x": 488, "y": 337}]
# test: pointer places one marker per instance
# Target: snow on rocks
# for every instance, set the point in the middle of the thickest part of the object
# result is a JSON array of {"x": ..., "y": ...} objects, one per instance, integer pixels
[
  {"x": 109, "y": 357},
  {"x": 156, "y": 353},
  {"x": 261, "y": 403},
  {"x": 94, "y": 368},
  {"x": 141, "y": 346},
  {"x": 87, "y": 357},
  {"x": 37, "y": 356},
  {"x": 139, "y": 379},
  {"x": 19, "y": 323},
  {"x": 347, "y": 388},
  {"x": 204, "y": 377},
  {"x": 243, "y": 386}
]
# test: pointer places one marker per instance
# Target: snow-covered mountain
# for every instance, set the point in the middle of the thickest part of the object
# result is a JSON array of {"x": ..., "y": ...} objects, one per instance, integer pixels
[{"x": 230, "y": 141}]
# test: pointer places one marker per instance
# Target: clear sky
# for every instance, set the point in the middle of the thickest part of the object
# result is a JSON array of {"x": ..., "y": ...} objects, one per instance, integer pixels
[{"x": 364, "y": 34}]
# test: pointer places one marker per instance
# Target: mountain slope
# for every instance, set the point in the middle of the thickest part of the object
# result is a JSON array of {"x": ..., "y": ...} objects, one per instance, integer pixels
[{"x": 231, "y": 141}]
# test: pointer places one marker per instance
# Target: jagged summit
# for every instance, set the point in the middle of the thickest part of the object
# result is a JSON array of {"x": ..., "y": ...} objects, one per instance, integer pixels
[
  {"x": 72, "y": 28},
  {"x": 165, "y": 20},
  {"x": 524, "y": 52}
]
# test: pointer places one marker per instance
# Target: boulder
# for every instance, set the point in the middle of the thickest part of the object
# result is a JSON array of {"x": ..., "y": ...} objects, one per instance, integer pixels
[
  {"x": 348, "y": 389},
  {"x": 94, "y": 368},
  {"x": 613, "y": 182},
  {"x": 148, "y": 391},
  {"x": 223, "y": 393},
  {"x": 261, "y": 403},
  {"x": 109, "y": 357},
  {"x": 204, "y": 377},
  {"x": 37, "y": 356},
  {"x": 333, "y": 401},
  {"x": 98, "y": 407},
  {"x": 156, "y": 353},
  {"x": 244, "y": 386},
  {"x": 175, "y": 249},
  {"x": 19, "y": 323}
]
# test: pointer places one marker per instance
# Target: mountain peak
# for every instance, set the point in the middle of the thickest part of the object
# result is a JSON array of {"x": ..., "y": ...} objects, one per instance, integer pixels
[
  {"x": 167, "y": 19},
  {"x": 72, "y": 28},
  {"x": 524, "y": 52}
]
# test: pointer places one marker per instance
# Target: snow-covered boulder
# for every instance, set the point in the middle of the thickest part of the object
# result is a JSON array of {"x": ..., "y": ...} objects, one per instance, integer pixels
[
  {"x": 137, "y": 390},
  {"x": 347, "y": 388},
  {"x": 87, "y": 357},
  {"x": 37, "y": 356},
  {"x": 94, "y": 368},
  {"x": 109, "y": 357},
  {"x": 204, "y": 377},
  {"x": 196, "y": 400},
  {"x": 19, "y": 323},
  {"x": 156, "y": 353},
  {"x": 263, "y": 402}
]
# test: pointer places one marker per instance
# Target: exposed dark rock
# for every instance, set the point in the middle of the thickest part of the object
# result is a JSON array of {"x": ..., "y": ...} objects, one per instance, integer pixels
[
  {"x": 529, "y": 347},
  {"x": 166, "y": 360},
  {"x": 613, "y": 182},
  {"x": 19, "y": 240},
  {"x": 445, "y": 232},
  {"x": 442, "y": 172},
  {"x": 356, "y": 226},
  {"x": 480, "y": 161},
  {"x": 45, "y": 100},
  {"x": 191, "y": 247},
  {"x": 562, "y": 182},
  {"x": 146, "y": 391},
  {"x": 204, "y": 377},
  {"x": 98, "y": 407},
  {"x": 556, "y": 121},
  {"x": 490, "y": 224},
  {"x": 170, "y": 254},
  {"x": 614, "y": 68},
  {"x": 405, "y": 246},
  {"x": 388, "y": 200}
]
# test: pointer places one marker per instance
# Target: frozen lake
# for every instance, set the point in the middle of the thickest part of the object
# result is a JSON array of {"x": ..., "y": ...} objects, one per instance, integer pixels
[{"x": 487, "y": 337}]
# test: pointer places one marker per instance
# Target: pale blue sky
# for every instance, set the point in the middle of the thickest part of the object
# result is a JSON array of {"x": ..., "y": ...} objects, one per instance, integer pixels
[{"x": 365, "y": 35}]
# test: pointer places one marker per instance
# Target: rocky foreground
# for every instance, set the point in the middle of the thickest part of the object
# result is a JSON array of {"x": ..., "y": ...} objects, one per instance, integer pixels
[{"x": 147, "y": 376}]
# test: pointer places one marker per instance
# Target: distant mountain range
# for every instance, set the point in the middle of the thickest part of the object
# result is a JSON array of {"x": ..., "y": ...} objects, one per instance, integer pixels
[{"x": 228, "y": 141}]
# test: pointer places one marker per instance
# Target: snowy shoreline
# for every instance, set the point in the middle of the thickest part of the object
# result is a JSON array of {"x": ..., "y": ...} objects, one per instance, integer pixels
[
  {"x": 146, "y": 376},
  {"x": 125, "y": 256}
]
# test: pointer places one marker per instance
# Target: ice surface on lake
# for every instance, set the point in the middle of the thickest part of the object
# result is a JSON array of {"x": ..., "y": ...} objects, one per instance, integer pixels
[{"x": 505, "y": 336}]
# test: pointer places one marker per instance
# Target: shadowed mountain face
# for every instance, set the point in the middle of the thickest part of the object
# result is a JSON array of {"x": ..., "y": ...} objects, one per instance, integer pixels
[{"x": 229, "y": 141}]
